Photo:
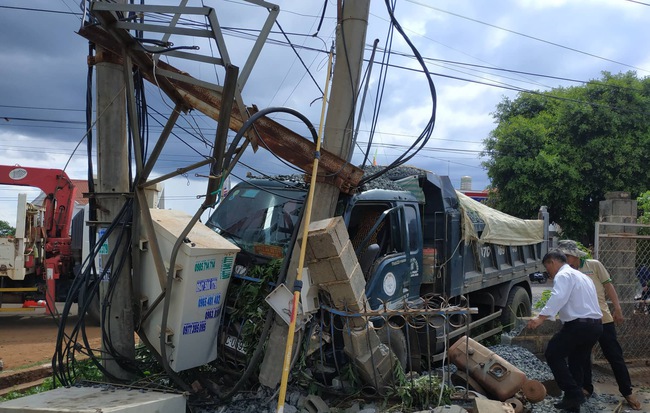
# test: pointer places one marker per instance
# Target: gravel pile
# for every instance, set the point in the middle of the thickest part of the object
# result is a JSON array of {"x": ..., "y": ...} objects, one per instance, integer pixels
[
  {"x": 385, "y": 181},
  {"x": 536, "y": 369},
  {"x": 524, "y": 360}
]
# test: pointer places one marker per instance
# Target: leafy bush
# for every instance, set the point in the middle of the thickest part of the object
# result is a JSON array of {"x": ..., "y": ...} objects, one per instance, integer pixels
[{"x": 546, "y": 294}]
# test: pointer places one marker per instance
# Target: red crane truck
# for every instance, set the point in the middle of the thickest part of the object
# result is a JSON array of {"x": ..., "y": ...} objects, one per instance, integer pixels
[{"x": 39, "y": 256}]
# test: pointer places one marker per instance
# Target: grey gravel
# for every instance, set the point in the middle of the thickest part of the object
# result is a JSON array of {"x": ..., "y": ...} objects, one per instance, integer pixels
[
  {"x": 384, "y": 181},
  {"x": 524, "y": 360},
  {"x": 536, "y": 369}
]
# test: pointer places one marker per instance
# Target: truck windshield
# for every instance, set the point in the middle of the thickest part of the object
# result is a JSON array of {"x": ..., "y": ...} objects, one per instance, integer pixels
[{"x": 259, "y": 219}]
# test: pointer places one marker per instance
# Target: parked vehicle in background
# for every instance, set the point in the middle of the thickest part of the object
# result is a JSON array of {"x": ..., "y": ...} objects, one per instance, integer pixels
[{"x": 539, "y": 276}]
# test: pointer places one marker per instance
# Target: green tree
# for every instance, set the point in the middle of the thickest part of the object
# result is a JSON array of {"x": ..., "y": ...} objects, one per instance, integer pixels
[
  {"x": 643, "y": 206},
  {"x": 6, "y": 229},
  {"x": 567, "y": 147}
]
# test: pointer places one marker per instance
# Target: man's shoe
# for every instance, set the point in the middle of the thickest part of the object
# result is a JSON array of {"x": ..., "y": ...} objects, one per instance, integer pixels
[
  {"x": 633, "y": 402},
  {"x": 570, "y": 405}
]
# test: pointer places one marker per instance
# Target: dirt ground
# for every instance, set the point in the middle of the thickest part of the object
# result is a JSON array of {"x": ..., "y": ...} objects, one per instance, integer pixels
[{"x": 27, "y": 339}]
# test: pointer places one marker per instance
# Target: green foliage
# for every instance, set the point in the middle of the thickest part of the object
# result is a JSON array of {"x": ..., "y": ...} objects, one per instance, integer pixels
[
  {"x": 6, "y": 229},
  {"x": 84, "y": 370},
  {"x": 419, "y": 393},
  {"x": 567, "y": 147},
  {"x": 643, "y": 205},
  {"x": 47, "y": 385},
  {"x": 250, "y": 307},
  {"x": 492, "y": 340},
  {"x": 88, "y": 371},
  {"x": 546, "y": 294},
  {"x": 586, "y": 250},
  {"x": 349, "y": 375}
]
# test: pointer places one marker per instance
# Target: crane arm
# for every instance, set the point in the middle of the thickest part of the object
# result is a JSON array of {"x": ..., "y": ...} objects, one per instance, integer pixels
[{"x": 59, "y": 194}]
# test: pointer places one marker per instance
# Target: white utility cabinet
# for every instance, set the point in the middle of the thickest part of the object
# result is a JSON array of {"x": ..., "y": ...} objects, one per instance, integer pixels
[{"x": 201, "y": 276}]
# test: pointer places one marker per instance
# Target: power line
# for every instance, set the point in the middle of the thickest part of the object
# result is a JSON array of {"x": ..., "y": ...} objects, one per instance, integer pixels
[
  {"x": 638, "y": 2},
  {"x": 294, "y": 47},
  {"x": 41, "y": 10},
  {"x": 71, "y": 122},
  {"x": 41, "y": 108},
  {"x": 526, "y": 35},
  {"x": 299, "y": 58},
  {"x": 403, "y": 54}
]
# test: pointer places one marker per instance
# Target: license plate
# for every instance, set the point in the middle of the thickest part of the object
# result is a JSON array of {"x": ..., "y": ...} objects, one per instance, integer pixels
[{"x": 237, "y": 345}]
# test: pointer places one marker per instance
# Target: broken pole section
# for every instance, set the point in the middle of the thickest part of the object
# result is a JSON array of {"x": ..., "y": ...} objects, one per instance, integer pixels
[{"x": 337, "y": 139}]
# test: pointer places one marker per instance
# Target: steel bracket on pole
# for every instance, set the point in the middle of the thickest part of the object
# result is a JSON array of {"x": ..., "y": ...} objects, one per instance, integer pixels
[{"x": 189, "y": 93}]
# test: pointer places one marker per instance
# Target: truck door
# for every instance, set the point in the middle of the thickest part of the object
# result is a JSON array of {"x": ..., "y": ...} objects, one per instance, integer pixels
[{"x": 387, "y": 240}]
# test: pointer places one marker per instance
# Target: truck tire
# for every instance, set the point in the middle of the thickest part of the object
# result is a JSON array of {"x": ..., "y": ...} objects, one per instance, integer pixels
[
  {"x": 518, "y": 305},
  {"x": 394, "y": 339}
]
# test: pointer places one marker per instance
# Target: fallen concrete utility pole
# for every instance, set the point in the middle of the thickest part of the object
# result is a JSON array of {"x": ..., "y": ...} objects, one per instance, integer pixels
[{"x": 338, "y": 138}]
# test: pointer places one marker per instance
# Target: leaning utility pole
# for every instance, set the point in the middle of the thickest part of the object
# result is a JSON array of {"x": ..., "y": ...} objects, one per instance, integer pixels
[
  {"x": 350, "y": 45},
  {"x": 111, "y": 191},
  {"x": 346, "y": 79}
]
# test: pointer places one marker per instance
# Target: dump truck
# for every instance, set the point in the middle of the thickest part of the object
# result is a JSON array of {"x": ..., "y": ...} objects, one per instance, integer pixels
[{"x": 415, "y": 238}]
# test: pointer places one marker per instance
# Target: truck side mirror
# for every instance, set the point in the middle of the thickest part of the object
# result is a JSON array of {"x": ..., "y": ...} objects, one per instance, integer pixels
[{"x": 368, "y": 257}]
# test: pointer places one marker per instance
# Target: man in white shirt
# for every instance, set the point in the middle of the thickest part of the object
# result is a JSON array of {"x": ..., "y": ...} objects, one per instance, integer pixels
[
  {"x": 575, "y": 301},
  {"x": 609, "y": 344}
]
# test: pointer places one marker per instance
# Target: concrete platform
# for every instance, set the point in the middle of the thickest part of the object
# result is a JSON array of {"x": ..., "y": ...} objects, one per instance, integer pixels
[{"x": 97, "y": 399}]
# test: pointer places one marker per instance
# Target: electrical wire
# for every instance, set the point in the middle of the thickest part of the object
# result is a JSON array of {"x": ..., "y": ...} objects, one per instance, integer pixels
[
  {"x": 322, "y": 17},
  {"x": 421, "y": 140},
  {"x": 526, "y": 35},
  {"x": 86, "y": 284},
  {"x": 299, "y": 57},
  {"x": 363, "y": 100},
  {"x": 270, "y": 191},
  {"x": 251, "y": 121}
]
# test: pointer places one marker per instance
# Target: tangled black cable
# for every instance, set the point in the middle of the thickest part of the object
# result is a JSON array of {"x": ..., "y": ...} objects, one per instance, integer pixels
[
  {"x": 423, "y": 138},
  {"x": 85, "y": 287}
]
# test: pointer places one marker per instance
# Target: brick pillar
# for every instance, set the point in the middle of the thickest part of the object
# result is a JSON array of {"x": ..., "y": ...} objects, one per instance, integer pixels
[{"x": 618, "y": 254}]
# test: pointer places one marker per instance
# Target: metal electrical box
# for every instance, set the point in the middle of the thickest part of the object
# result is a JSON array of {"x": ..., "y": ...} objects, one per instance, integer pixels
[{"x": 201, "y": 276}]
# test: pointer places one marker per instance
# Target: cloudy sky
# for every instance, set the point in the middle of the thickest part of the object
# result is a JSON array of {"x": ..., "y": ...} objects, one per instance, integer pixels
[{"x": 478, "y": 52}]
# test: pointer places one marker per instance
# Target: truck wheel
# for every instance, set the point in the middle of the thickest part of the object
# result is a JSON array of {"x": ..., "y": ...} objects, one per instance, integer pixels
[
  {"x": 518, "y": 305},
  {"x": 394, "y": 339}
]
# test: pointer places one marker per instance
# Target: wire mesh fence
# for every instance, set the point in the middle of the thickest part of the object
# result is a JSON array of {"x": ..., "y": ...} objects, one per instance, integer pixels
[{"x": 624, "y": 249}]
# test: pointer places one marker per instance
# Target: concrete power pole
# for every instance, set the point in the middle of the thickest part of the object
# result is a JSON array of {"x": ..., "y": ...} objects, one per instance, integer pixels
[
  {"x": 112, "y": 185},
  {"x": 338, "y": 140}
]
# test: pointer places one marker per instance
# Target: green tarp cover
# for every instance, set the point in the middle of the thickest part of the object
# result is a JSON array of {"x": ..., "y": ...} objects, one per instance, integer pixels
[{"x": 500, "y": 228}]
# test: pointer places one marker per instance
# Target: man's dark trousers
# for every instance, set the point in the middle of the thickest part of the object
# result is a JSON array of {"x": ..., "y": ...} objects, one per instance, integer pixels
[
  {"x": 614, "y": 354},
  {"x": 574, "y": 343}
]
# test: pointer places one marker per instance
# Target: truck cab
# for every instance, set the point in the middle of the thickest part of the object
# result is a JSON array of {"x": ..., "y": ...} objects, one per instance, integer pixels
[
  {"x": 260, "y": 216},
  {"x": 385, "y": 228}
]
